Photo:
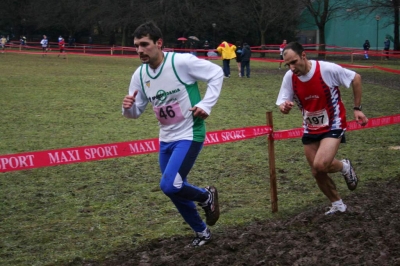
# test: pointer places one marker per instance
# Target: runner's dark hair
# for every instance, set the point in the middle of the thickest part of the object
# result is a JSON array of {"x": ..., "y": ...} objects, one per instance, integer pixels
[
  {"x": 295, "y": 46},
  {"x": 148, "y": 29}
]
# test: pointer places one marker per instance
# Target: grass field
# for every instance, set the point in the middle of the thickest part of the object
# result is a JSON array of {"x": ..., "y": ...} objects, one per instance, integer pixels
[{"x": 55, "y": 215}]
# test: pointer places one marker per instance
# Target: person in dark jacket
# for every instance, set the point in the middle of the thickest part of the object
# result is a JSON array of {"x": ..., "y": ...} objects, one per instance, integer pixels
[
  {"x": 366, "y": 46},
  {"x": 246, "y": 54},
  {"x": 387, "y": 47},
  {"x": 239, "y": 57},
  {"x": 206, "y": 47}
]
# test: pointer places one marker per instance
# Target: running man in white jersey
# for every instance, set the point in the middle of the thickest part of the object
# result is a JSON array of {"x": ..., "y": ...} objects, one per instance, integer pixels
[
  {"x": 168, "y": 81},
  {"x": 45, "y": 43},
  {"x": 314, "y": 86}
]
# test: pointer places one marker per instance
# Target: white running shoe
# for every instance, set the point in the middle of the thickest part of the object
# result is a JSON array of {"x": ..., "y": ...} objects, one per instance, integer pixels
[
  {"x": 201, "y": 238},
  {"x": 350, "y": 177},
  {"x": 336, "y": 208}
]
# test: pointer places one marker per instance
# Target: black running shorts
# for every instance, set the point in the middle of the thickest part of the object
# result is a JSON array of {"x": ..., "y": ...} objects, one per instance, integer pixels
[{"x": 336, "y": 134}]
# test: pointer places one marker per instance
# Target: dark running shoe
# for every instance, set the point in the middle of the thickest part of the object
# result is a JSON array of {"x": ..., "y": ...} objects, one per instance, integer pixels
[
  {"x": 350, "y": 177},
  {"x": 211, "y": 208},
  {"x": 201, "y": 239}
]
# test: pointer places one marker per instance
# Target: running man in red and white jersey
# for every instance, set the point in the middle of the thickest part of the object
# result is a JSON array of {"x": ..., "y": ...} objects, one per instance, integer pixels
[
  {"x": 61, "y": 46},
  {"x": 314, "y": 86}
]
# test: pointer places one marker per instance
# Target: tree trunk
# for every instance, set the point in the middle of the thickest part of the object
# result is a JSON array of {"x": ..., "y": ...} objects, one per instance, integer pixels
[
  {"x": 262, "y": 33},
  {"x": 322, "y": 47},
  {"x": 111, "y": 41},
  {"x": 396, "y": 44},
  {"x": 124, "y": 35}
]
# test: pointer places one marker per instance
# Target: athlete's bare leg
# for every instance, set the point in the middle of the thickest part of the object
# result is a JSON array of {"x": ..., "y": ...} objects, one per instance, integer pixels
[{"x": 321, "y": 158}]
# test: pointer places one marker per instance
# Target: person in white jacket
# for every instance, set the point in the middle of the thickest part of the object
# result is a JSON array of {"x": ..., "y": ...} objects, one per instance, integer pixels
[
  {"x": 168, "y": 81},
  {"x": 45, "y": 44}
]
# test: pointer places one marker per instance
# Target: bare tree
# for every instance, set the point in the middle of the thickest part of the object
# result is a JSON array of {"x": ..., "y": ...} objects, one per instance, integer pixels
[
  {"x": 197, "y": 17},
  {"x": 273, "y": 13},
  {"x": 67, "y": 16},
  {"x": 231, "y": 20},
  {"x": 14, "y": 16},
  {"x": 322, "y": 11},
  {"x": 120, "y": 16}
]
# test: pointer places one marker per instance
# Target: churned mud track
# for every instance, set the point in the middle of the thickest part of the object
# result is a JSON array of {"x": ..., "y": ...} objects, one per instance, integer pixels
[{"x": 367, "y": 234}]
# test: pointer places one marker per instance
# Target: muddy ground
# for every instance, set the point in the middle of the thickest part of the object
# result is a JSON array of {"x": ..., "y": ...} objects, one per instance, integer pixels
[{"x": 367, "y": 234}]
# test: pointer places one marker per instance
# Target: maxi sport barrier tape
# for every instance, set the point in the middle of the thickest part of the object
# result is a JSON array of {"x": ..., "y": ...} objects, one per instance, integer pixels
[{"x": 38, "y": 159}]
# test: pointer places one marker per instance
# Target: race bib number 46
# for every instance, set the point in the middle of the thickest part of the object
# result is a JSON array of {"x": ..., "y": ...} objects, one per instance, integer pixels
[
  {"x": 169, "y": 114},
  {"x": 316, "y": 119}
]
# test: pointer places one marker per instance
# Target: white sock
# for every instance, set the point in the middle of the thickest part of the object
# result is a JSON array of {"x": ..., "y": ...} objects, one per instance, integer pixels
[
  {"x": 204, "y": 233},
  {"x": 206, "y": 202},
  {"x": 346, "y": 168},
  {"x": 337, "y": 203}
]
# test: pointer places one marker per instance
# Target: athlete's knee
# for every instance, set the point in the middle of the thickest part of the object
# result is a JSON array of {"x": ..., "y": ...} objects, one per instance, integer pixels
[
  {"x": 319, "y": 173},
  {"x": 320, "y": 168},
  {"x": 167, "y": 187}
]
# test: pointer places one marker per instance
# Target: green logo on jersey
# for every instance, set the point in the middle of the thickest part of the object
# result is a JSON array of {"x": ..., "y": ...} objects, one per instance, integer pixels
[{"x": 161, "y": 95}]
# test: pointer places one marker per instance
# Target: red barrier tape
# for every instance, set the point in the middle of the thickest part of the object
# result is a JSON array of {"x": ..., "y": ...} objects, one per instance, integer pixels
[
  {"x": 92, "y": 52},
  {"x": 387, "y": 69},
  {"x": 352, "y": 125},
  {"x": 30, "y": 160}
]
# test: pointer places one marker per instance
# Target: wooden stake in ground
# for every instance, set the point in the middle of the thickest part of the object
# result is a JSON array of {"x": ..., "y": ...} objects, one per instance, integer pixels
[{"x": 271, "y": 160}]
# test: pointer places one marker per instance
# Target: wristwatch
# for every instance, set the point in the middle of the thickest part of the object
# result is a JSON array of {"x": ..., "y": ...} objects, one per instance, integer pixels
[{"x": 358, "y": 108}]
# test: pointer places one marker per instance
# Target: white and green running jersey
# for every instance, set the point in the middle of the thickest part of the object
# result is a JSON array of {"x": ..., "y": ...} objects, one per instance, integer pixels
[{"x": 172, "y": 90}]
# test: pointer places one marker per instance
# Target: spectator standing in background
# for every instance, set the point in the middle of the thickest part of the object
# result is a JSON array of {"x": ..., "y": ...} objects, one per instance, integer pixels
[
  {"x": 227, "y": 52},
  {"x": 206, "y": 47},
  {"x": 90, "y": 41},
  {"x": 366, "y": 47},
  {"x": 239, "y": 57},
  {"x": 281, "y": 47},
  {"x": 387, "y": 47},
  {"x": 71, "y": 41},
  {"x": 3, "y": 42},
  {"x": 45, "y": 44},
  {"x": 22, "y": 40},
  {"x": 245, "y": 64}
]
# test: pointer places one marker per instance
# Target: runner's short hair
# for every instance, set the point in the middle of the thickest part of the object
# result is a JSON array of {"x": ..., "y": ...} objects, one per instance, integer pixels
[
  {"x": 149, "y": 29},
  {"x": 295, "y": 46}
]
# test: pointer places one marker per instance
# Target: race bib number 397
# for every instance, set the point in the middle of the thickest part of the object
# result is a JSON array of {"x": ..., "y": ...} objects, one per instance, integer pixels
[{"x": 169, "y": 114}]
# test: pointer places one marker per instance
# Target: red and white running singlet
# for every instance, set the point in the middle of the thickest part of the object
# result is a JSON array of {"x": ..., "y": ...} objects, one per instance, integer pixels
[{"x": 321, "y": 106}]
